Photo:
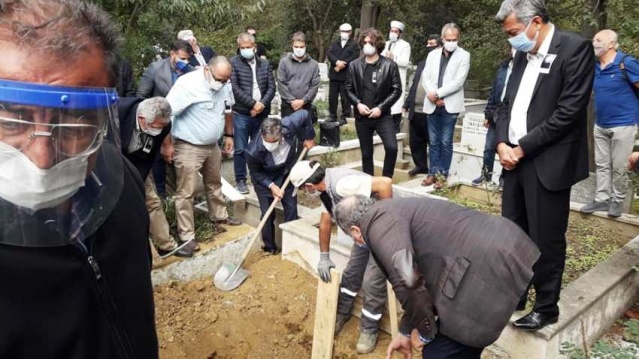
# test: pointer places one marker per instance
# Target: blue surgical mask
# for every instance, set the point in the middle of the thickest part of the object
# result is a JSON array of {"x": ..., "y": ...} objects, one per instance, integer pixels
[
  {"x": 247, "y": 53},
  {"x": 181, "y": 64},
  {"x": 521, "y": 42}
]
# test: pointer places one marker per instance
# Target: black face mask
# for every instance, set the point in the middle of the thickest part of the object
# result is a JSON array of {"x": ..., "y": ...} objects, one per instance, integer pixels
[{"x": 430, "y": 48}]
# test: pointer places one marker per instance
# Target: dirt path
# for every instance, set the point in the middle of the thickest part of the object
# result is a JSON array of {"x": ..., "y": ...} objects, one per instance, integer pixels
[{"x": 271, "y": 315}]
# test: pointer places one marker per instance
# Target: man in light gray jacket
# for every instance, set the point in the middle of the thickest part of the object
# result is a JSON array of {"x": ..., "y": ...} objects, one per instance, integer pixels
[{"x": 298, "y": 78}]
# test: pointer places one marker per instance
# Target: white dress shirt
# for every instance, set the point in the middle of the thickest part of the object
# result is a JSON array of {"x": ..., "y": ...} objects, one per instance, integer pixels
[
  {"x": 257, "y": 94},
  {"x": 519, "y": 113}
]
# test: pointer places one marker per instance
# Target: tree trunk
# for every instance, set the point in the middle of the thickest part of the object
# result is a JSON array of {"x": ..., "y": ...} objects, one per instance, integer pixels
[{"x": 368, "y": 15}]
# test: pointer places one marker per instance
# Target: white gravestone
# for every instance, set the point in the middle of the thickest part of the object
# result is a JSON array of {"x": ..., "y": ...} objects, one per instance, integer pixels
[
  {"x": 473, "y": 136},
  {"x": 323, "y": 70}
]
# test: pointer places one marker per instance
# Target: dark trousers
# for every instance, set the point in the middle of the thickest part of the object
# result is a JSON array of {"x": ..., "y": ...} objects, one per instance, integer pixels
[
  {"x": 159, "y": 176},
  {"x": 489, "y": 152},
  {"x": 397, "y": 121},
  {"x": 335, "y": 89},
  {"x": 286, "y": 109},
  {"x": 418, "y": 141},
  {"x": 443, "y": 347},
  {"x": 366, "y": 128},
  {"x": 245, "y": 129},
  {"x": 289, "y": 203},
  {"x": 543, "y": 215}
]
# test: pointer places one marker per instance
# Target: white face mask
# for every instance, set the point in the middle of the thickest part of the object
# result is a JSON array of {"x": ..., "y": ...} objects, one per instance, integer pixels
[
  {"x": 215, "y": 85},
  {"x": 393, "y": 36},
  {"x": 152, "y": 131},
  {"x": 344, "y": 35},
  {"x": 24, "y": 184},
  {"x": 271, "y": 146},
  {"x": 450, "y": 46},
  {"x": 299, "y": 52},
  {"x": 369, "y": 50}
]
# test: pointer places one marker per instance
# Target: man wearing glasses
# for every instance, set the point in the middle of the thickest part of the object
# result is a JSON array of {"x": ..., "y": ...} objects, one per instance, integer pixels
[
  {"x": 201, "y": 105},
  {"x": 74, "y": 256}
]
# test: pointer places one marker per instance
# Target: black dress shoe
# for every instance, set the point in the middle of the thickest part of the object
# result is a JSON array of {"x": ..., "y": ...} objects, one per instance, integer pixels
[
  {"x": 416, "y": 171},
  {"x": 534, "y": 321},
  {"x": 183, "y": 252}
]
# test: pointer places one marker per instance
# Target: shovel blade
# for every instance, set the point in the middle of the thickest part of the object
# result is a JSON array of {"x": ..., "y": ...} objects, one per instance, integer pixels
[{"x": 226, "y": 280}]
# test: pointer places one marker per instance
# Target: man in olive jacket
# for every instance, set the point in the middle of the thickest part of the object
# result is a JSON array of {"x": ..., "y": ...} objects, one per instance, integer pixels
[{"x": 465, "y": 267}]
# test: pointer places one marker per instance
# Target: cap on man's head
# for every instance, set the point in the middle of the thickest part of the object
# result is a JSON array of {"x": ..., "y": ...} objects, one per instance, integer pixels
[
  {"x": 345, "y": 27},
  {"x": 398, "y": 25},
  {"x": 185, "y": 35},
  {"x": 301, "y": 172}
]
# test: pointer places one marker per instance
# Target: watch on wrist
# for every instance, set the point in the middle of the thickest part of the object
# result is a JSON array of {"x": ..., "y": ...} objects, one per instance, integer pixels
[{"x": 228, "y": 135}]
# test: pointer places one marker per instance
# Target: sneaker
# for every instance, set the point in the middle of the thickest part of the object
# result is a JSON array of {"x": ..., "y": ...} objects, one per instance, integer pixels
[
  {"x": 615, "y": 209},
  {"x": 241, "y": 187},
  {"x": 366, "y": 343},
  {"x": 595, "y": 206},
  {"x": 340, "y": 321},
  {"x": 477, "y": 181}
]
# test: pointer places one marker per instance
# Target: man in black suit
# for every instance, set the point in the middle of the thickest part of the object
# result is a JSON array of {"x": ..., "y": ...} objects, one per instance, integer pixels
[
  {"x": 201, "y": 54},
  {"x": 270, "y": 158},
  {"x": 341, "y": 53},
  {"x": 465, "y": 267},
  {"x": 541, "y": 140},
  {"x": 414, "y": 106}
]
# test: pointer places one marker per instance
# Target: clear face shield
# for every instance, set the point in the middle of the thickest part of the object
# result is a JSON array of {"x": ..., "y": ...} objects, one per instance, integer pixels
[{"x": 50, "y": 137}]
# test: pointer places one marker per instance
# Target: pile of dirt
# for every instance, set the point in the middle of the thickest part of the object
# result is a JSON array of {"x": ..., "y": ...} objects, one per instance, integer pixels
[{"x": 271, "y": 315}]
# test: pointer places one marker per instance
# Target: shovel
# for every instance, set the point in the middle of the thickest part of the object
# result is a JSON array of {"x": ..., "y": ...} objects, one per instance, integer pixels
[{"x": 230, "y": 276}]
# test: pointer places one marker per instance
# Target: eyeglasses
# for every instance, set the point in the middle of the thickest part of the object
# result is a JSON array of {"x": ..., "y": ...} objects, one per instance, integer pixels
[{"x": 72, "y": 138}]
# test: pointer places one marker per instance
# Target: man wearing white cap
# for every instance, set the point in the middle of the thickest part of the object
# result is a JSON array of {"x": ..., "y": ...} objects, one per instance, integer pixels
[
  {"x": 340, "y": 53},
  {"x": 201, "y": 54},
  {"x": 398, "y": 50},
  {"x": 331, "y": 185}
]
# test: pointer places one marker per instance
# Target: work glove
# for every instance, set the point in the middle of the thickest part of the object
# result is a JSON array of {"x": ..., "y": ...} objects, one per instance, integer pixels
[{"x": 324, "y": 266}]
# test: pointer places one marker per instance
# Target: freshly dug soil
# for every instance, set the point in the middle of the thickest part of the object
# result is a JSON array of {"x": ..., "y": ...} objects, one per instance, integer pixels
[{"x": 271, "y": 315}]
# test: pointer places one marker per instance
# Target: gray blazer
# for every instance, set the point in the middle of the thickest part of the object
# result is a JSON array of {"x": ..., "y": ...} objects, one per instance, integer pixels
[
  {"x": 156, "y": 79},
  {"x": 466, "y": 267}
]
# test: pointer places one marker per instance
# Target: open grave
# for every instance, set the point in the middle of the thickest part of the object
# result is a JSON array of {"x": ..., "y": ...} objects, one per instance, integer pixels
[{"x": 272, "y": 313}]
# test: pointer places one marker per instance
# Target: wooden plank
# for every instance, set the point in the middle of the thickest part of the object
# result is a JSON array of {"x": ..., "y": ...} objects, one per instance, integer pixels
[
  {"x": 325, "y": 315},
  {"x": 392, "y": 310}
]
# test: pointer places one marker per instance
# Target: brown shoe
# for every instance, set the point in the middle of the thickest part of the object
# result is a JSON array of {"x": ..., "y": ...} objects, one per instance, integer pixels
[
  {"x": 429, "y": 180},
  {"x": 230, "y": 221},
  {"x": 439, "y": 185}
]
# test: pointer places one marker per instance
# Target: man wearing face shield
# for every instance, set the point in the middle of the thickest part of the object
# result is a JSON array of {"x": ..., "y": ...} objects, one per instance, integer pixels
[
  {"x": 331, "y": 185},
  {"x": 270, "y": 158},
  {"x": 144, "y": 124},
  {"x": 73, "y": 240},
  {"x": 398, "y": 50},
  {"x": 541, "y": 141},
  {"x": 298, "y": 78},
  {"x": 201, "y": 101}
]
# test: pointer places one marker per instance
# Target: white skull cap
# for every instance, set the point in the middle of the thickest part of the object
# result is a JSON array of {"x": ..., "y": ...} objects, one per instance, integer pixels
[
  {"x": 397, "y": 24},
  {"x": 345, "y": 27}
]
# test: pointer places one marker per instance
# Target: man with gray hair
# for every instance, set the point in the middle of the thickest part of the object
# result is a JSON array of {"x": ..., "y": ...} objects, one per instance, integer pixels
[
  {"x": 254, "y": 89},
  {"x": 298, "y": 78},
  {"x": 436, "y": 255},
  {"x": 201, "y": 101},
  {"x": 144, "y": 124},
  {"x": 270, "y": 158},
  {"x": 443, "y": 79},
  {"x": 74, "y": 250},
  {"x": 617, "y": 109},
  {"x": 541, "y": 140}
]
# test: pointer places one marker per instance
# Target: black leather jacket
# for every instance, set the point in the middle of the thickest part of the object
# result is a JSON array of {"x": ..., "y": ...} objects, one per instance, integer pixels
[{"x": 389, "y": 84}]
